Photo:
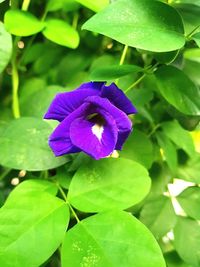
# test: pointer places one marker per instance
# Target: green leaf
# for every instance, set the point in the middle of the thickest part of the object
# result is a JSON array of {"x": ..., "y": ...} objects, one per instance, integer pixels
[
  {"x": 179, "y": 136},
  {"x": 24, "y": 145},
  {"x": 96, "y": 6},
  {"x": 191, "y": 68},
  {"x": 196, "y": 38},
  {"x": 187, "y": 230},
  {"x": 194, "y": 2},
  {"x": 148, "y": 25},
  {"x": 59, "y": 32},
  {"x": 154, "y": 214},
  {"x": 191, "y": 170},
  {"x": 113, "y": 72},
  {"x": 139, "y": 148},
  {"x": 173, "y": 260},
  {"x": 188, "y": 122},
  {"x": 113, "y": 239},
  {"x": 5, "y": 47},
  {"x": 178, "y": 90},
  {"x": 22, "y": 23},
  {"x": 167, "y": 57},
  {"x": 190, "y": 15},
  {"x": 69, "y": 5},
  {"x": 192, "y": 54},
  {"x": 169, "y": 150},
  {"x": 35, "y": 104},
  {"x": 32, "y": 226},
  {"x": 36, "y": 185},
  {"x": 108, "y": 184},
  {"x": 30, "y": 87},
  {"x": 63, "y": 176},
  {"x": 190, "y": 201}
]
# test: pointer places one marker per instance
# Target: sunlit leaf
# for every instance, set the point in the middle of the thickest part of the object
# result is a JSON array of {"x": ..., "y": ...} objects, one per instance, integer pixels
[
  {"x": 59, "y": 32},
  {"x": 100, "y": 239},
  {"x": 149, "y": 25},
  {"x": 24, "y": 145},
  {"x": 5, "y": 47},
  {"x": 22, "y": 23},
  {"x": 31, "y": 223},
  {"x": 108, "y": 184}
]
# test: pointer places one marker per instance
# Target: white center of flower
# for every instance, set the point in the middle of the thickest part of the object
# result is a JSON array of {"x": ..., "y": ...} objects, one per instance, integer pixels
[{"x": 97, "y": 130}]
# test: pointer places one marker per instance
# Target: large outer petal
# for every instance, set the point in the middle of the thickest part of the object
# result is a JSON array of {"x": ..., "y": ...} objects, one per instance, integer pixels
[
  {"x": 83, "y": 137},
  {"x": 93, "y": 85},
  {"x": 65, "y": 103},
  {"x": 118, "y": 98},
  {"x": 59, "y": 140}
]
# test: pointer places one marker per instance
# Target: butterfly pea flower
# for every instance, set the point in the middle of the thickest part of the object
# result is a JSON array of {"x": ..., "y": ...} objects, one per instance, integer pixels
[{"x": 93, "y": 119}]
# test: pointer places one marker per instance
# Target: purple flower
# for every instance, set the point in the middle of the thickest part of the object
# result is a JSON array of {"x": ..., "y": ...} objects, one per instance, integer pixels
[{"x": 93, "y": 118}]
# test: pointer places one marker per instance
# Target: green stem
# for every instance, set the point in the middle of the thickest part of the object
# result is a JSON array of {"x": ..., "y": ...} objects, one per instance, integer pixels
[
  {"x": 123, "y": 56},
  {"x": 75, "y": 20},
  {"x": 191, "y": 33},
  {"x": 15, "y": 83},
  {"x": 66, "y": 200},
  {"x": 154, "y": 129},
  {"x": 135, "y": 83},
  {"x": 25, "y": 5},
  {"x": 122, "y": 59},
  {"x": 15, "y": 74}
]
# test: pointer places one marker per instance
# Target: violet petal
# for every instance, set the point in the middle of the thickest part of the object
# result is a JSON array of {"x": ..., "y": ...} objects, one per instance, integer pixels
[
  {"x": 65, "y": 103},
  {"x": 59, "y": 140},
  {"x": 122, "y": 121},
  {"x": 118, "y": 98},
  {"x": 82, "y": 133}
]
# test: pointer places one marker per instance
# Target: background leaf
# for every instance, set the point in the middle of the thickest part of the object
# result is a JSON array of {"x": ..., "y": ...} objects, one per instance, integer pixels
[
  {"x": 196, "y": 38},
  {"x": 179, "y": 136},
  {"x": 113, "y": 72},
  {"x": 154, "y": 214},
  {"x": 191, "y": 170},
  {"x": 22, "y": 23},
  {"x": 96, "y": 6},
  {"x": 61, "y": 33},
  {"x": 187, "y": 229},
  {"x": 5, "y": 47},
  {"x": 139, "y": 148},
  {"x": 178, "y": 90},
  {"x": 36, "y": 103},
  {"x": 173, "y": 260},
  {"x": 117, "y": 231},
  {"x": 190, "y": 201},
  {"x": 169, "y": 150}
]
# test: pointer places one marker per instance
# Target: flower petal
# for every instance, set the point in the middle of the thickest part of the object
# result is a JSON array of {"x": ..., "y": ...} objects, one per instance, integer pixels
[
  {"x": 118, "y": 98},
  {"x": 92, "y": 85},
  {"x": 65, "y": 103},
  {"x": 103, "y": 105},
  {"x": 123, "y": 122},
  {"x": 97, "y": 143},
  {"x": 59, "y": 140},
  {"x": 122, "y": 136}
]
